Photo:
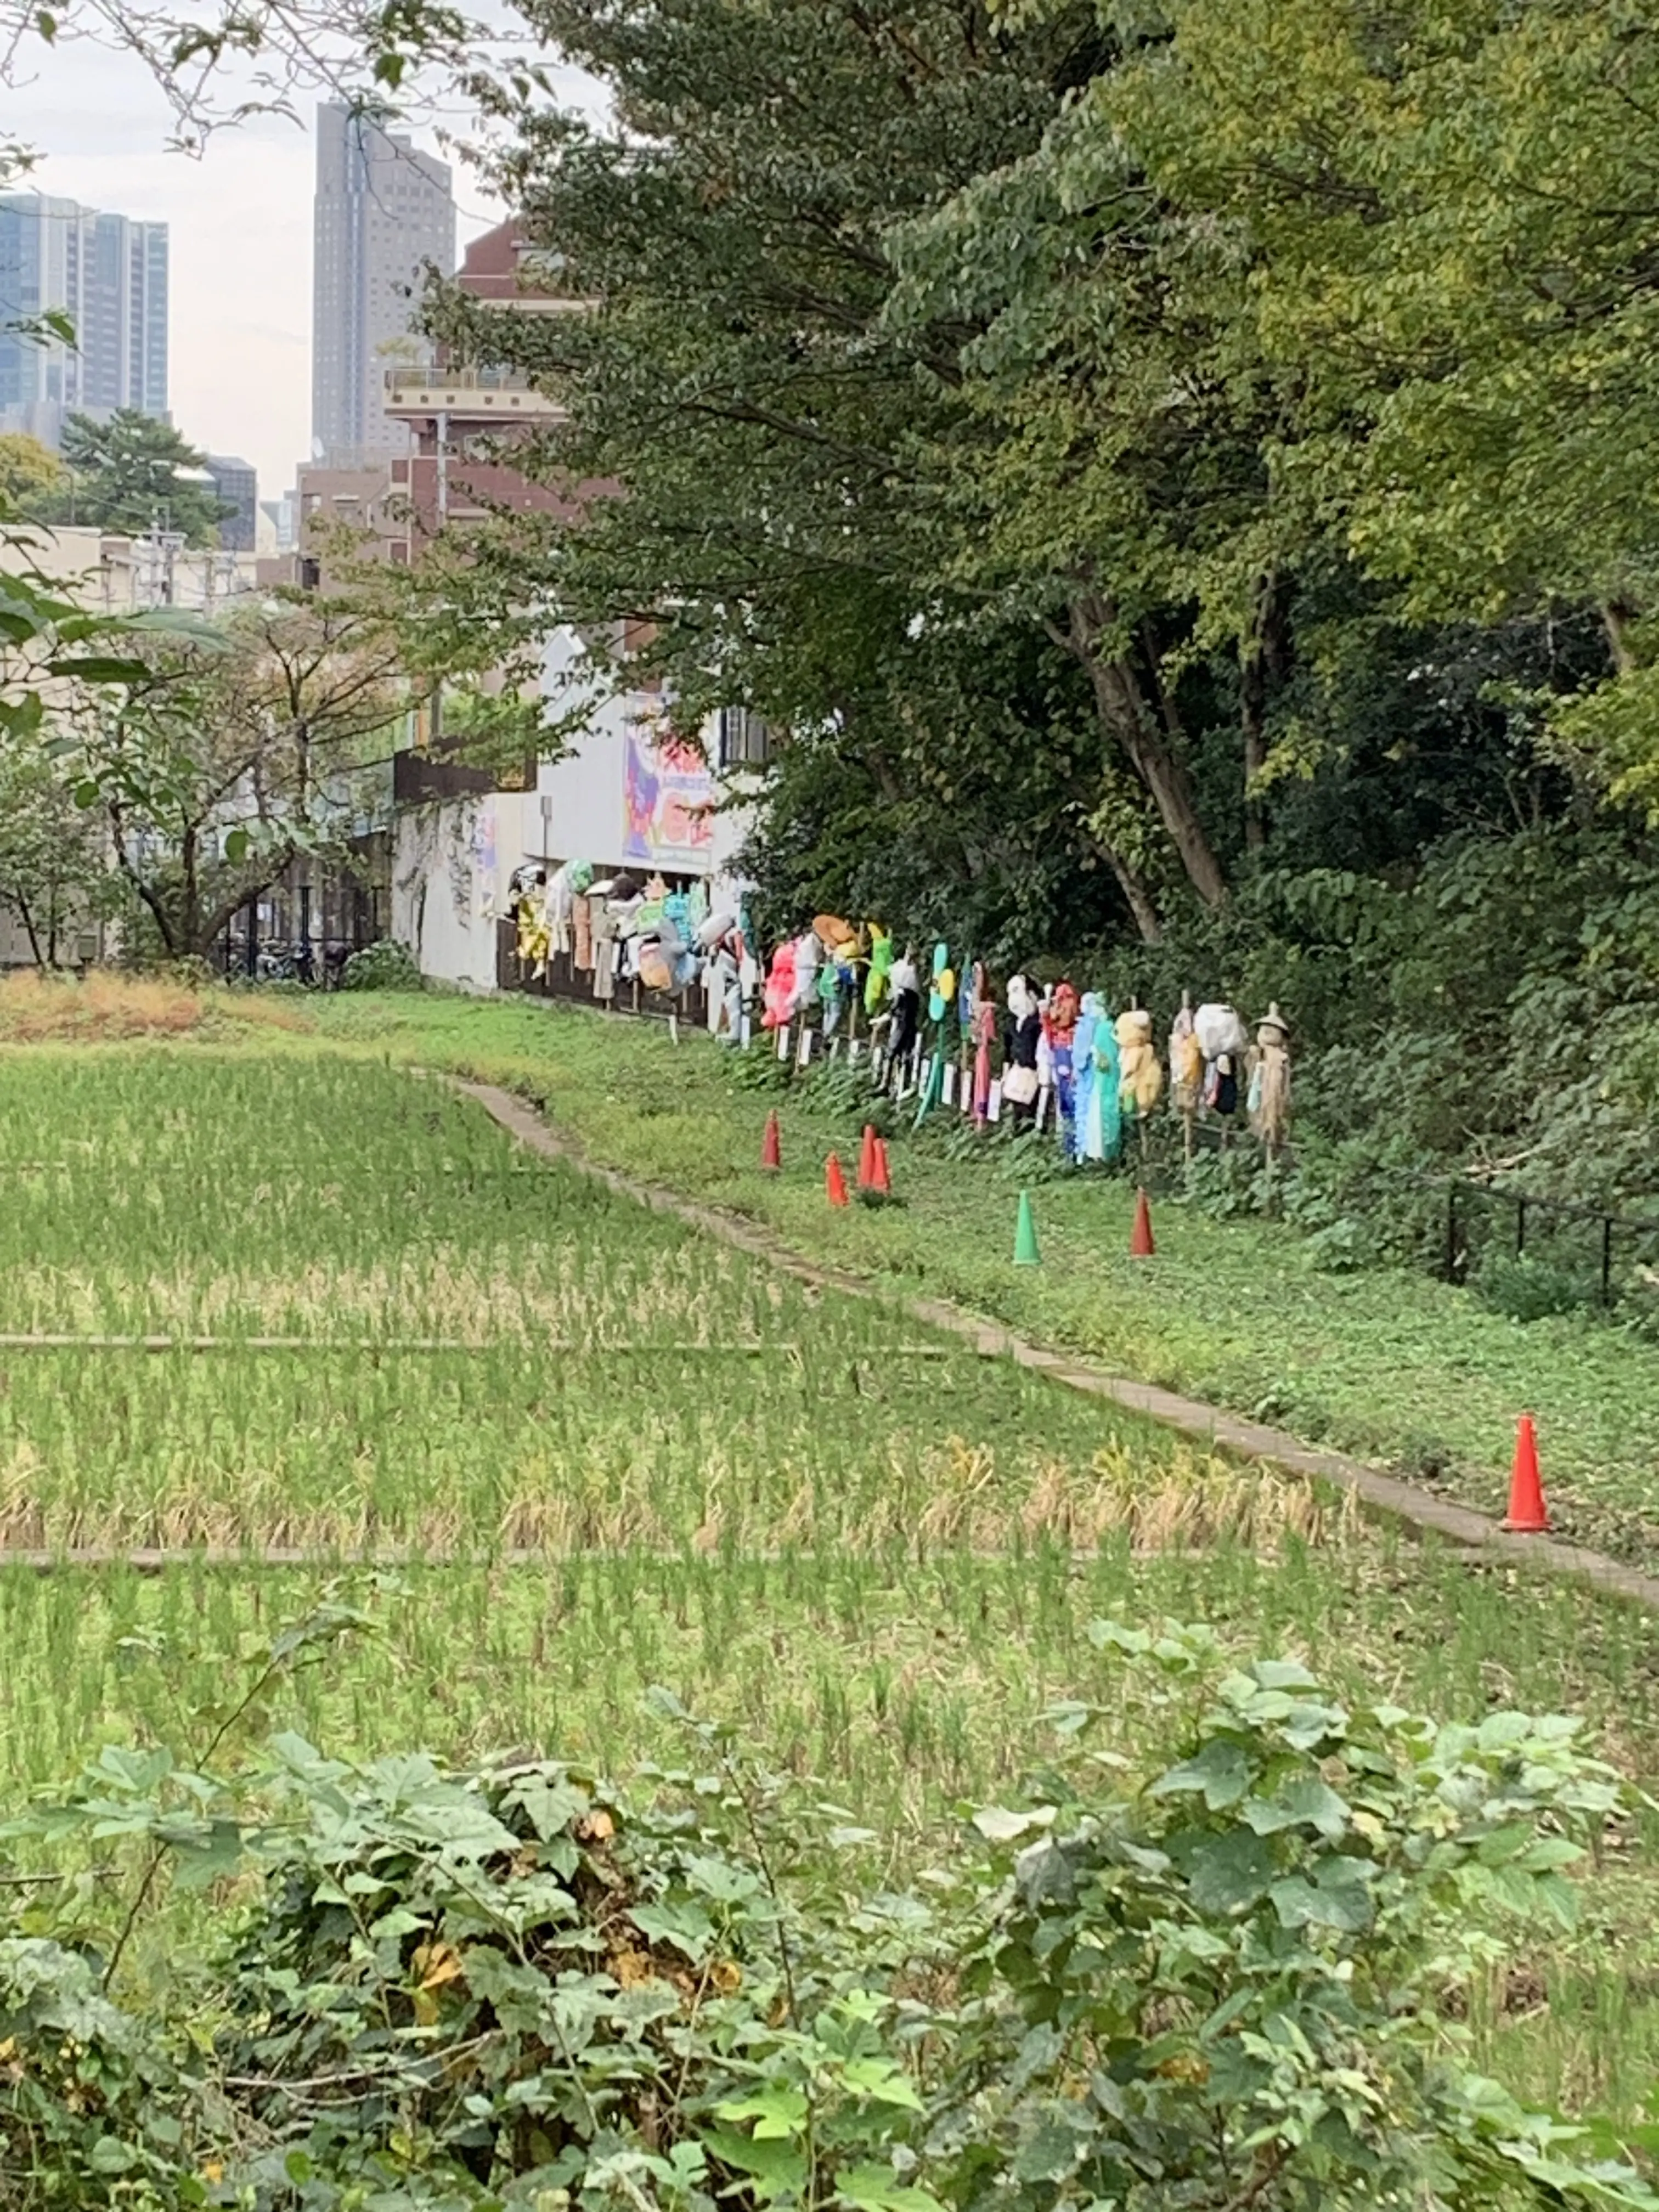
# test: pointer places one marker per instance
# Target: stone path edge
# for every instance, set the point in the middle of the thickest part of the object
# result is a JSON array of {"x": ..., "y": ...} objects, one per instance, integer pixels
[{"x": 1385, "y": 1494}]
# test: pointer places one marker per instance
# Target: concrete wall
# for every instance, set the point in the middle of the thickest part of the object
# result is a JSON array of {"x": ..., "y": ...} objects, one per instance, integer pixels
[
  {"x": 447, "y": 877},
  {"x": 107, "y": 573}
]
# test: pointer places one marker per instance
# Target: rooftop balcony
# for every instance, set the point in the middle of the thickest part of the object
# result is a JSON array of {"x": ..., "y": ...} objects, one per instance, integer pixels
[{"x": 479, "y": 392}]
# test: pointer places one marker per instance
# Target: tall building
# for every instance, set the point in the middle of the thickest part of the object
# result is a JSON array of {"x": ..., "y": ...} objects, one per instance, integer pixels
[
  {"x": 383, "y": 211},
  {"x": 237, "y": 484},
  {"x": 108, "y": 277}
]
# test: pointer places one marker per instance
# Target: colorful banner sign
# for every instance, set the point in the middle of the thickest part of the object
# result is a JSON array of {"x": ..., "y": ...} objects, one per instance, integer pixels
[{"x": 668, "y": 802}]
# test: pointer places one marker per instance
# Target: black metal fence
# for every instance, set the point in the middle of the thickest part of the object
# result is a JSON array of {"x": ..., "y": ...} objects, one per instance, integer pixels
[{"x": 1487, "y": 1225}]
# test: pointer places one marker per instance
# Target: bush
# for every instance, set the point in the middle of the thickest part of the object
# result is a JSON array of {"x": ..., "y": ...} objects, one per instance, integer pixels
[
  {"x": 387, "y": 966},
  {"x": 1529, "y": 1289},
  {"x": 518, "y": 1989}
]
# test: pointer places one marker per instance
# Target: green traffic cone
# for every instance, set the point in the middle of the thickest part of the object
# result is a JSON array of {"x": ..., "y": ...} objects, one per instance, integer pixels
[
  {"x": 1025, "y": 1244},
  {"x": 933, "y": 1090}
]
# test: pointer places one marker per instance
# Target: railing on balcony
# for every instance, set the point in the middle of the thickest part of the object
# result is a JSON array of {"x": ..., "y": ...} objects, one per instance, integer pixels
[{"x": 456, "y": 376}]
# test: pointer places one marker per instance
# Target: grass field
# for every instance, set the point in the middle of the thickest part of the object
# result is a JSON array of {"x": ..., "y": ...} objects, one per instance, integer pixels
[
  {"x": 876, "y": 1556},
  {"x": 1396, "y": 1367}
]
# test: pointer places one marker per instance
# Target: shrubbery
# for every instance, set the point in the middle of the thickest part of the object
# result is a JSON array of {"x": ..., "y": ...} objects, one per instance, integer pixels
[
  {"x": 518, "y": 1987},
  {"x": 387, "y": 966}
]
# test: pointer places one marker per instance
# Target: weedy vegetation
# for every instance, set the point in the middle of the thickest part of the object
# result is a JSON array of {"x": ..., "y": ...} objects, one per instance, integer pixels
[{"x": 938, "y": 1862}]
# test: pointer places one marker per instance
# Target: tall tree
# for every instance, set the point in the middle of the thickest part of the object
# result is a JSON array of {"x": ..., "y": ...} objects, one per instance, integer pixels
[
  {"x": 1110, "y": 474},
  {"x": 1448, "y": 216},
  {"x": 133, "y": 472},
  {"x": 734, "y": 369},
  {"x": 54, "y": 859}
]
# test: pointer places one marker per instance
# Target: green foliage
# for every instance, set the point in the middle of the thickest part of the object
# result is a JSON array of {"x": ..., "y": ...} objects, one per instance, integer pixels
[
  {"x": 1227, "y": 1990},
  {"x": 236, "y": 746},
  {"x": 48, "y": 645},
  {"x": 30, "y": 475},
  {"x": 1100, "y": 484},
  {"x": 94, "y": 2111},
  {"x": 478, "y": 1989},
  {"x": 132, "y": 473},
  {"x": 53, "y": 872},
  {"x": 1527, "y": 1288},
  {"x": 387, "y": 966}
]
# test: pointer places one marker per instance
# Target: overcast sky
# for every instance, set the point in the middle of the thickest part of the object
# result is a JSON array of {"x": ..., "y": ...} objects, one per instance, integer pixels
[{"x": 239, "y": 372}]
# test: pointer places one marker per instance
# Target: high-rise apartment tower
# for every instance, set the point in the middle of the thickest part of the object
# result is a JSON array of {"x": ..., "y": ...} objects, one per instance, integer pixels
[
  {"x": 108, "y": 277},
  {"x": 383, "y": 212}
]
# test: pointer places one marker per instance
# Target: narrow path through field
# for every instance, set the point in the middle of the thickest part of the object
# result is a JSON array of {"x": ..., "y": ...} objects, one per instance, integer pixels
[{"x": 1384, "y": 1494}]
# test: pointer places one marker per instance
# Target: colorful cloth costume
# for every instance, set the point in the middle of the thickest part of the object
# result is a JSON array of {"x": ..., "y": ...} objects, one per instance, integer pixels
[
  {"x": 881, "y": 964},
  {"x": 1058, "y": 1030},
  {"x": 904, "y": 995},
  {"x": 1270, "y": 1079},
  {"x": 1186, "y": 1062},
  {"x": 1022, "y": 1041},
  {"x": 981, "y": 1022},
  {"x": 1100, "y": 1122},
  {"x": 1224, "y": 1043},
  {"x": 779, "y": 987}
]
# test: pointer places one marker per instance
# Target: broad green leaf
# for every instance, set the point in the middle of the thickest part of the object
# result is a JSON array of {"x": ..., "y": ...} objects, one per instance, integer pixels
[{"x": 1220, "y": 1773}]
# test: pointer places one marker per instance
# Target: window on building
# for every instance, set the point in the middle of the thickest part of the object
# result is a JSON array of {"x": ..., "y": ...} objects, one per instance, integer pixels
[{"x": 745, "y": 741}]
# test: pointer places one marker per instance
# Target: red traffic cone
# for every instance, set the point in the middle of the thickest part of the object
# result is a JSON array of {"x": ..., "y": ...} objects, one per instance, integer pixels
[
  {"x": 1141, "y": 1246},
  {"x": 1527, "y": 1512},
  {"x": 771, "y": 1145},
  {"x": 867, "y": 1159},
  {"x": 879, "y": 1182},
  {"x": 835, "y": 1182}
]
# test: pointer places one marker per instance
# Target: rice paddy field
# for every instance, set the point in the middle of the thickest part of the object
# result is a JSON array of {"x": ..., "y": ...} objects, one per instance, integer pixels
[{"x": 261, "y": 1294}]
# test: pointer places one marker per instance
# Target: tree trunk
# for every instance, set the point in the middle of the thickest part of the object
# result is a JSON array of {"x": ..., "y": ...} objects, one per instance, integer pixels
[
  {"x": 1264, "y": 661},
  {"x": 1253, "y": 711},
  {"x": 190, "y": 918},
  {"x": 1125, "y": 713},
  {"x": 1616, "y": 618},
  {"x": 28, "y": 921},
  {"x": 1137, "y": 893},
  {"x": 145, "y": 891}
]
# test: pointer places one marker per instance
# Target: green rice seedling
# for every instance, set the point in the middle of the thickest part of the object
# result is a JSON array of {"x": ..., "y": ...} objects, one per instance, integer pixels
[{"x": 877, "y": 1556}]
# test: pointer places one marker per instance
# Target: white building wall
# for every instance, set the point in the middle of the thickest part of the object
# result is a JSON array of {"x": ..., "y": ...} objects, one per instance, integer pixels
[
  {"x": 448, "y": 882},
  {"x": 627, "y": 795}
]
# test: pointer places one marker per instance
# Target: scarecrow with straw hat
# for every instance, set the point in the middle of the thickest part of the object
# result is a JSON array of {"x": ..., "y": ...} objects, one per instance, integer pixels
[{"x": 1269, "y": 1100}]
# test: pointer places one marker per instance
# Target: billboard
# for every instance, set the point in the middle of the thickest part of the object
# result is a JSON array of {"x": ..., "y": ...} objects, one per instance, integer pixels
[{"x": 668, "y": 801}]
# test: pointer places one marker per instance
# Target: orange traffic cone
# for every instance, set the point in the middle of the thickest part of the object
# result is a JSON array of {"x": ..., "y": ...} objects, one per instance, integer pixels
[
  {"x": 1527, "y": 1512},
  {"x": 1141, "y": 1246},
  {"x": 771, "y": 1145},
  {"x": 835, "y": 1182},
  {"x": 867, "y": 1159},
  {"x": 880, "y": 1182}
]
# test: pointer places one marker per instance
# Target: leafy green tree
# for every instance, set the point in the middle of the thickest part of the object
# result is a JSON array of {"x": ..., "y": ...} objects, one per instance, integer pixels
[
  {"x": 133, "y": 473},
  {"x": 31, "y": 474},
  {"x": 1445, "y": 217},
  {"x": 734, "y": 366},
  {"x": 54, "y": 858},
  {"x": 236, "y": 748},
  {"x": 1109, "y": 474}
]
